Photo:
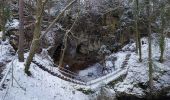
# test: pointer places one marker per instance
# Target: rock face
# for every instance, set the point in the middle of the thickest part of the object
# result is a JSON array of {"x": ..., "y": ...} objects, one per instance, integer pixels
[
  {"x": 88, "y": 36},
  {"x": 96, "y": 26}
]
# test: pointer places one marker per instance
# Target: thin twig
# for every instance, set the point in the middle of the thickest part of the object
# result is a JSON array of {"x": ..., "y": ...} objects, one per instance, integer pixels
[
  {"x": 65, "y": 42},
  {"x": 19, "y": 84},
  {"x": 57, "y": 18}
]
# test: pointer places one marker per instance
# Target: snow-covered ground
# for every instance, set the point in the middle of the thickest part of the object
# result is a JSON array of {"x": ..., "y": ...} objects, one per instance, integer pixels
[
  {"x": 112, "y": 63},
  {"x": 136, "y": 80},
  {"x": 6, "y": 53},
  {"x": 43, "y": 86}
]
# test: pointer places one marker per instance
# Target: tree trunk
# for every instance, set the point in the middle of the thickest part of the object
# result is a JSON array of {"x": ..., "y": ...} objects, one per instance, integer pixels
[
  {"x": 137, "y": 46},
  {"x": 4, "y": 16},
  {"x": 3, "y": 20},
  {"x": 21, "y": 32},
  {"x": 162, "y": 46},
  {"x": 64, "y": 50},
  {"x": 138, "y": 42},
  {"x": 37, "y": 32},
  {"x": 162, "y": 38},
  {"x": 65, "y": 42},
  {"x": 3, "y": 31},
  {"x": 150, "y": 48}
]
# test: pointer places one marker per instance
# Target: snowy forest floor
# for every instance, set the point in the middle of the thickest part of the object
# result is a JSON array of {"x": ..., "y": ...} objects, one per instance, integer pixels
[
  {"x": 40, "y": 86},
  {"x": 43, "y": 86}
]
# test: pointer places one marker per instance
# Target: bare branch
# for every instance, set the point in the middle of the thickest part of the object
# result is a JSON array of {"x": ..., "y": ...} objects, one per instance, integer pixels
[
  {"x": 58, "y": 17},
  {"x": 65, "y": 42}
]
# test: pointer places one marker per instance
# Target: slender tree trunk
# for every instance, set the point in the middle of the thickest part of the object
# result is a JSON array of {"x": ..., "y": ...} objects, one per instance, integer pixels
[
  {"x": 4, "y": 16},
  {"x": 162, "y": 38},
  {"x": 3, "y": 20},
  {"x": 3, "y": 24},
  {"x": 3, "y": 31},
  {"x": 64, "y": 50},
  {"x": 150, "y": 48},
  {"x": 36, "y": 38},
  {"x": 21, "y": 32},
  {"x": 136, "y": 26},
  {"x": 138, "y": 42},
  {"x": 137, "y": 46},
  {"x": 162, "y": 46},
  {"x": 65, "y": 42}
]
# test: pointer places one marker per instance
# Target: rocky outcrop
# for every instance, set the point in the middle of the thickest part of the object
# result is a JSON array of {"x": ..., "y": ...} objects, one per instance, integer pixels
[{"x": 97, "y": 25}]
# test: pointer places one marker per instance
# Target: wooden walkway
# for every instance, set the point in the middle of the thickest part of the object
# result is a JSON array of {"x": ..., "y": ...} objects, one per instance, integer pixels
[{"x": 77, "y": 79}]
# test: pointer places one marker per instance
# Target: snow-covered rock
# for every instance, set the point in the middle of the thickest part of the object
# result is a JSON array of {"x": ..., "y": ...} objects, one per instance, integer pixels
[{"x": 14, "y": 24}]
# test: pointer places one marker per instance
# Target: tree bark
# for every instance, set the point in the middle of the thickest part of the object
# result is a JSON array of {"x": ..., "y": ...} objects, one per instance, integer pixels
[
  {"x": 21, "y": 32},
  {"x": 65, "y": 42},
  {"x": 150, "y": 48},
  {"x": 162, "y": 37},
  {"x": 3, "y": 19},
  {"x": 37, "y": 33},
  {"x": 64, "y": 50},
  {"x": 138, "y": 42}
]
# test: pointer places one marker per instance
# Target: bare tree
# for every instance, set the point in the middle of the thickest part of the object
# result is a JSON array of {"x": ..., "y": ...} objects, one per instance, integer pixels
[
  {"x": 65, "y": 42},
  {"x": 4, "y": 16},
  {"x": 162, "y": 37},
  {"x": 37, "y": 33},
  {"x": 2, "y": 19},
  {"x": 138, "y": 42},
  {"x": 21, "y": 32},
  {"x": 148, "y": 10}
]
